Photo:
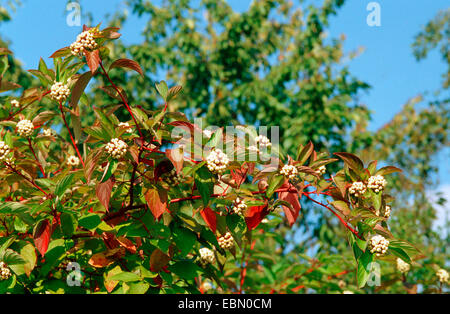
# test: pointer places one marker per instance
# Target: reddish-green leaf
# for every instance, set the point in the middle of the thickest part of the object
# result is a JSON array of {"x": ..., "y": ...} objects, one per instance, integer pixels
[
  {"x": 103, "y": 192},
  {"x": 127, "y": 63},
  {"x": 387, "y": 170},
  {"x": 41, "y": 236},
  {"x": 92, "y": 59},
  {"x": 209, "y": 216},
  {"x": 157, "y": 201}
]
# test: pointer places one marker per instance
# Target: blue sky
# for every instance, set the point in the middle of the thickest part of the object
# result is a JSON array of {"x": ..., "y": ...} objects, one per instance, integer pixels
[{"x": 387, "y": 64}]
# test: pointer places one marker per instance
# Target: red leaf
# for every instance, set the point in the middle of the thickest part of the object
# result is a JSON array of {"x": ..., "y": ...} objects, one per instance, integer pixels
[
  {"x": 209, "y": 216},
  {"x": 164, "y": 166},
  {"x": 176, "y": 157},
  {"x": 41, "y": 235},
  {"x": 255, "y": 215},
  {"x": 79, "y": 87},
  {"x": 291, "y": 198},
  {"x": 127, "y": 63},
  {"x": 92, "y": 59},
  {"x": 148, "y": 162},
  {"x": 103, "y": 192},
  {"x": 100, "y": 260},
  {"x": 239, "y": 174},
  {"x": 183, "y": 125},
  {"x": 158, "y": 260},
  {"x": 126, "y": 243},
  {"x": 157, "y": 201}
]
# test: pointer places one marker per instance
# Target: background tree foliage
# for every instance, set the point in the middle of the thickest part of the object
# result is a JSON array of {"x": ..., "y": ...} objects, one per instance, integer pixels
[{"x": 273, "y": 65}]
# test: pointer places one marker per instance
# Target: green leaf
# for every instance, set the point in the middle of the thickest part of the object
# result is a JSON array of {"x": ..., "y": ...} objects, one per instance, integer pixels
[
  {"x": 186, "y": 270},
  {"x": 387, "y": 170},
  {"x": 111, "y": 167},
  {"x": 13, "y": 208},
  {"x": 274, "y": 183},
  {"x": 126, "y": 277},
  {"x": 63, "y": 184},
  {"x": 12, "y": 258},
  {"x": 364, "y": 268},
  {"x": 400, "y": 253},
  {"x": 162, "y": 89},
  {"x": 6, "y": 245},
  {"x": 184, "y": 239},
  {"x": 353, "y": 162},
  {"x": 90, "y": 221},
  {"x": 304, "y": 154},
  {"x": 68, "y": 224},
  {"x": 205, "y": 183}
]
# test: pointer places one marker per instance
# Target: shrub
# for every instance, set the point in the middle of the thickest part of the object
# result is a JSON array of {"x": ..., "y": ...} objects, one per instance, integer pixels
[{"x": 155, "y": 204}]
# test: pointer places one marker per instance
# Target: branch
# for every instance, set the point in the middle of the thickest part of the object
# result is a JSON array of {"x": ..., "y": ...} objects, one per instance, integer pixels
[
  {"x": 339, "y": 217},
  {"x": 70, "y": 133},
  {"x": 123, "y": 99}
]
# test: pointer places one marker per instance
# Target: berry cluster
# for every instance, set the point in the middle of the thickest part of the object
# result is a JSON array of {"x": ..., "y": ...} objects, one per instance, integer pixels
[
  {"x": 442, "y": 275},
  {"x": 376, "y": 183},
  {"x": 116, "y": 148},
  {"x": 172, "y": 177},
  {"x": 239, "y": 206},
  {"x": 59, "y": 91},
  {"x": 48, "y": 132},
  {"x": 126, "y": 126},
  {"x": 387, "y": 212},
  {"x": 5, "y": 272},
  {"x": 226, "y": 241},
  {"x": 289, "y": 171},
  {"x": 378, "y": 245},
  {"x": 206, "y": 256},
  {"x": 73, "y": 161},
  {"x": 263, "y": 141},
  {"x": 15, "y": 103},
  {"x": 25, "y": 128},
  {"x": 321, "y": 170},
  {"x": 357, "y": 189},
  {"x": 4, "y": 151},
  {"x": 85, "y": 41},
  {"x": 402, "y": 266},
  {"x": 217, "y": 161}
]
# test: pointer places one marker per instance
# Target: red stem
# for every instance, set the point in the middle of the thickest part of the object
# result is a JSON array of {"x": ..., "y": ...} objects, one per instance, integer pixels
[
  {"x": 339, "y": 217},
  {"x": 123, "y": 99},
  {"x": 34, "y": 154},
  {"x": 70, "y": 133},
  {"x": 31, "y": 181}
]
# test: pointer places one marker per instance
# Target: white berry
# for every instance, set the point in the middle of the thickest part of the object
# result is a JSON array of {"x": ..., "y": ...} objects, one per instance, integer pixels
[
  {"x": 321, "y": 170},
  {"x": 15, "y": 103},
  {"x": 206, "y": 256},
  {"x": 289, "y": 171},
  {"x": 73, "y": 161},
  {"x": 226, "y": 241},
  {"x": 4, "y": 151},
  {"x": 376, "y": 183},
  {"x": 5, "y": 272},
  {"x": 239, "y": 206},
  {"x": 263, "y": 141},
  {"x": 217, "y": 161},
  {"x": 85, "y": 41},
  {"x": 116, "y": 148},
  {"x": 59, "y": 92},
  {"x": 357, "y": 189},
  {"x": 25, "y": 128},
  {"x": 378, "y": 245},
  {"x": 442, "y": 275},
  {"x": 126, "y": 126},
  {"x": 402, "y": 266}
]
